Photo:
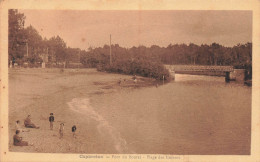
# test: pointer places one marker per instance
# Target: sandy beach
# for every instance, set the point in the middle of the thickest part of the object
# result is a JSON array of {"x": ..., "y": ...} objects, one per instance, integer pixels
[
  {"x": 39, "y": 92},
  {"x": 199, "y": 115}
]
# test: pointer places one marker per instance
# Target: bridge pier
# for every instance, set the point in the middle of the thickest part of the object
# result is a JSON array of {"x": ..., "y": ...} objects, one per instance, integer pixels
[
  {"x": 238, "y": 75},
  {"x": 172, "y": 74},
  {"x": 227, "y": 77}
]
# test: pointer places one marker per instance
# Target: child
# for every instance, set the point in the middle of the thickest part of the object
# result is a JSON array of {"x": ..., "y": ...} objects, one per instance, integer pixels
[
  {"x": 61, "y": 130},
  {"x": 74, "y": 130},
  {"x": 51, "y": 119}
]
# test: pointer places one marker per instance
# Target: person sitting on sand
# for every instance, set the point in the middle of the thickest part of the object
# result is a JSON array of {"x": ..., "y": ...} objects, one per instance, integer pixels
[
  {"x": 61, "y": 130},
  {"x": 51, "y": 119},
  {"x": 74, "y": 130},
  {"x": 18, "y": 140},
  {"x": 28, "y": 123},
  {"x": 18, "y": 127}
]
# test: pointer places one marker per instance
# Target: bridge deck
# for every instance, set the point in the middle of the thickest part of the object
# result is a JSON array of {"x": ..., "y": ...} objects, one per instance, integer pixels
[{"x": 199, "y": 68}]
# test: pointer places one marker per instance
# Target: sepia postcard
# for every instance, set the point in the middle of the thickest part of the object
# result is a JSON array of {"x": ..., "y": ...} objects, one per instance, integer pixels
[{"x": 141, "y": 80}]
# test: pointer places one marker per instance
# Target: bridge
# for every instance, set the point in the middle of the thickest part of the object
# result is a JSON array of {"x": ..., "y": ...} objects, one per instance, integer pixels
[{"x": 228, "y": 72}]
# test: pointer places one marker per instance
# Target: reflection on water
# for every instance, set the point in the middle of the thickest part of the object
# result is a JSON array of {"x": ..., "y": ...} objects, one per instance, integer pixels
[
  {"x": 191, "y": 115},
  {"x": 194, "y": 78},
  {"x": 203, "y": 80}
]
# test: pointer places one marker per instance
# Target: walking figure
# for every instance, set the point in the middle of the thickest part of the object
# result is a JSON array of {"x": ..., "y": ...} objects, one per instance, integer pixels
[
  {"x": 51, "y": 119},
  {"x": 73, "y": 129},
  {"x": 119, "y": 82},
  {"x": 61, "y": 130}
]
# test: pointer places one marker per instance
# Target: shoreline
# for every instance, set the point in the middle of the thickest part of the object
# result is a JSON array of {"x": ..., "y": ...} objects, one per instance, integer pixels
[
  {"x": 118, "y": 119},
  {"x": 34, "y": 103}
]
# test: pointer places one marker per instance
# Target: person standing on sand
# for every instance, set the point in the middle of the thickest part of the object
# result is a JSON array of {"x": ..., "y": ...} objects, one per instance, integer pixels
[
  {"x": 73, "y": 129},
  {"x": 51, "y": 119},
  {"x": 28, "y": 123},
  {"x": 135, "y": 79},
  {"x": 61, "y": 129},
  {"x": 18, "y": 140}
]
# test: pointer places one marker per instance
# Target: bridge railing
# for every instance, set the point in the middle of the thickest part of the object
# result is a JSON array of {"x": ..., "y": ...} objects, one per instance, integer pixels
[{"x": 200, "y": 68}]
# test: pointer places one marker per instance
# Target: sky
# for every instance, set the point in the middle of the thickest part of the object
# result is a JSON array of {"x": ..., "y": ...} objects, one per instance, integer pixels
[{"x": 89, "y": 28}]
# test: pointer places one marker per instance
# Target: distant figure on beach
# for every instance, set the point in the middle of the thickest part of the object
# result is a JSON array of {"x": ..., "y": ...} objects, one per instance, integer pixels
[
  {"x": 51, "y": 119},
  {"x": 28, "y": 123},
  {"x": 73, "y": 129},
  {"x": 61, "y": 129},
  {"x": 18, "y": 140},
  {"x": 18, "y": 126},
  {"x": 119, "y": 82},
  {"x": 135, "y": 79}
]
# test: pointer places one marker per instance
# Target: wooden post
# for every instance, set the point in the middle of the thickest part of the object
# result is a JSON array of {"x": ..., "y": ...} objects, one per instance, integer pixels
[
  {"x": 163, "y": 79},
  {"x": 27, "y": 53},
  {"x": 173, "y": 74},
  {"x": 110, "y": 51},
  {"x": 79, "y": 59},
  {"x": 227, "y": 77}
]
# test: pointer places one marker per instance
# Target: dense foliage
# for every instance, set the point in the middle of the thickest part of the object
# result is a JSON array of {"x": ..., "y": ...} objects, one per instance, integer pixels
[
  {"x": 15, "y": 34},
  {"x": 239, "y": 56},
  {"x": 124, "y": 61},
  {"x": 26, "y": 45},
  {"x": 128, "y": 60}
]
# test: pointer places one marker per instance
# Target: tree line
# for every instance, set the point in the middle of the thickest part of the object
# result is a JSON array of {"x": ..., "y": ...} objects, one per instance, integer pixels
[
  {"x": 27, "y": 45},
  {"x": 239, "y": 56},
  {"x": 124, "y": 61}
]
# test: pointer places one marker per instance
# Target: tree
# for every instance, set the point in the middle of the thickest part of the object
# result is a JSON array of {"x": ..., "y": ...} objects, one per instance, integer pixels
[
  {"x": 34, "y": 44},
  {"x": 33, "y": 39},
  {"x": 57, "y": 46},
  {"x": 16, "y": 40}
]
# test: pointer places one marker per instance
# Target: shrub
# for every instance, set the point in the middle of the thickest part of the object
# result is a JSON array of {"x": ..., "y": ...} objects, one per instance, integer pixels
[{"x": 143, "y": 68}]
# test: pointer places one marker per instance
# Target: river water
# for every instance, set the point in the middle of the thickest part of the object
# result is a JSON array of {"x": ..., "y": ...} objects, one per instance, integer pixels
[{"x": 191, "y": 115}]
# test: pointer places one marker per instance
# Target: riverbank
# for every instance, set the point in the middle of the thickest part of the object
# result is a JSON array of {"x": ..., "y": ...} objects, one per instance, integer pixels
[
  {"x": 198, "y": 115},
  {"x": 39, "y": 92}
]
